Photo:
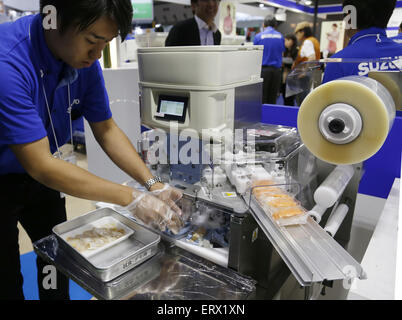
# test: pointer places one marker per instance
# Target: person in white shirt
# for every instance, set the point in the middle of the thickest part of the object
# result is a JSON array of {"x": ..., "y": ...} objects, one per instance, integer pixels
[
  {"x": 309, "y": 50},
  {"x": 309, "y": 45}
]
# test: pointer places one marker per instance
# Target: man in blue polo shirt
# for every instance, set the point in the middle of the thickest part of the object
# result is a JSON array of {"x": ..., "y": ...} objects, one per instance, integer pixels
[
  {"x": 274, "y": 46},
  {"x": 369, "y": 41},
  {"x": 49, "y": 76}
]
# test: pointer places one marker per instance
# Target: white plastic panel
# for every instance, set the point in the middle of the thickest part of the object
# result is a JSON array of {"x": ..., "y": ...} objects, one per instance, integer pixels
[{"x": 200, "y": 65}]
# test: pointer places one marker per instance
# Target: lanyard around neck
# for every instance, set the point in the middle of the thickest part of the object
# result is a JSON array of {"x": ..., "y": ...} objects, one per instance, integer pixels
[
  {"x": 48, "y": 108},
  {"x": 50, "y": 115}
]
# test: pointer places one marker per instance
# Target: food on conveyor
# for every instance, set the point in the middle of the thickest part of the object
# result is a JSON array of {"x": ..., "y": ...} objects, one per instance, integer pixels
[
  {"x": 261, "y": 187},
  {"x": 263, "y": 183},
  {"x": 287, "y": 212},
  {"x": 95, "y": 238},
  {"x": 283, "y": 208},
  {"x": 282, "y": 202}
]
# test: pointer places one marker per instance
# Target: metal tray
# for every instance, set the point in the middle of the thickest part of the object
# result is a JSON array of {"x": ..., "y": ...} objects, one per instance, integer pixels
[
  {"x": 113, "y": 261},
  {"x": 104, "y": 222}
]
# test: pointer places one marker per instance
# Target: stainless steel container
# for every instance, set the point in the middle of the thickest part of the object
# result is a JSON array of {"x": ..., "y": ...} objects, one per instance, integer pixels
[
  {"x": 111, "y": 262},
  {"x": 123, "y": 286}
]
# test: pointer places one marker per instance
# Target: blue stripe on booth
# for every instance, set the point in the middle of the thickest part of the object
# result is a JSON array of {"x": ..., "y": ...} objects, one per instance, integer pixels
[
  {"x": 321, "y": 9},
  {"x": 294, "y": 5},
  {"x": 330, "y": 9},
  {"x": 380, "y": 170},
  {"x": 30, "y": 287}
]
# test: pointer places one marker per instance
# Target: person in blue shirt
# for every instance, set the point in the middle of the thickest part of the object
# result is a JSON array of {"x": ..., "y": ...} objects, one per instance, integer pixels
[
  {"x": 274, "y": 46},
  {"x": 49, "y": 76},
  {"x": 398, "y": 38},
  {"x": 368, "y": 41}
]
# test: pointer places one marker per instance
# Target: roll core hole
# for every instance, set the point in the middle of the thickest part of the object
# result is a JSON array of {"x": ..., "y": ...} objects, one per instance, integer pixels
[{"x": 336, "y": 126}]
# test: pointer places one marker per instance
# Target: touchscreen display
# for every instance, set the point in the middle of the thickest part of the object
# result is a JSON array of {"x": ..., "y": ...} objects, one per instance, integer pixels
[{"x": 174, "y": 108}]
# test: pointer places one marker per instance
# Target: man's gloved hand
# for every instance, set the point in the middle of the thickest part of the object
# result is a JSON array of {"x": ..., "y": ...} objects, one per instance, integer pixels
[
  {"x": 154, "y": 212},
  {"x": 169, "y": 195}
]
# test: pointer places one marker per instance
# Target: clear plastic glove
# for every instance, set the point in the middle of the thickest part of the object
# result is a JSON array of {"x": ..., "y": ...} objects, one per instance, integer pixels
[
  {"x": 169, "y": 195},
  {"x": 154, "y": 212}
]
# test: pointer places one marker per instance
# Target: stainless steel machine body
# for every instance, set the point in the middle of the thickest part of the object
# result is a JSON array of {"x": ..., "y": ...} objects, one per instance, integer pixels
[{"x": 255, "y": 245}]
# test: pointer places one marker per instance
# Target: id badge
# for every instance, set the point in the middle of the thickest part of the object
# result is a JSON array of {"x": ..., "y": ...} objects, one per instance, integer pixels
[{"x": 71, "y": 158}]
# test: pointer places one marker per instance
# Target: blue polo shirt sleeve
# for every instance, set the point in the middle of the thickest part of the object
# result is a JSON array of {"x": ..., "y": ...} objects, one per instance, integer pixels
[
  {"x": 96, "y": 100},
  {"x": 20, "y": 121}
]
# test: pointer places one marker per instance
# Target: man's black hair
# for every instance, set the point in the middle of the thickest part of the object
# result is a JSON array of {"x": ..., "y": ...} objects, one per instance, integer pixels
[
  {"x": 372, "y": 13},
  {"x": 270, "y": 21},
  {"x": 84, "y": 13}
]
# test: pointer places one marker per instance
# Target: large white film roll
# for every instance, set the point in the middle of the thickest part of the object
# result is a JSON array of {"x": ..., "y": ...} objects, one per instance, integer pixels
[
  {"x": 390, "y": 81},
  {"x": 346, "y": 121}
]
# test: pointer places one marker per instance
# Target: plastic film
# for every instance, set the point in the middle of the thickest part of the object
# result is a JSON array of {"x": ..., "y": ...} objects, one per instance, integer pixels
[{"x": 368, "y": 97}]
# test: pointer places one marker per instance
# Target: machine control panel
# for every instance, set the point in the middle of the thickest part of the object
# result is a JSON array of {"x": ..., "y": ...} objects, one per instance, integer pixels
[{"x": 172, "y": 108}]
